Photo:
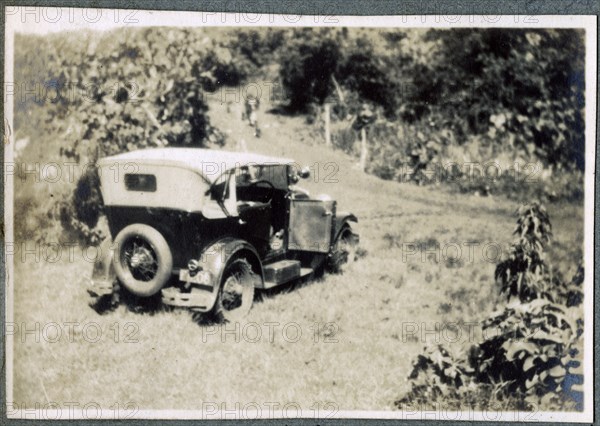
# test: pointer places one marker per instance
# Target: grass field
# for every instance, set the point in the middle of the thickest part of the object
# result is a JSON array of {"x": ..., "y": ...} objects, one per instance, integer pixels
[{"x": 346, "y": 340}]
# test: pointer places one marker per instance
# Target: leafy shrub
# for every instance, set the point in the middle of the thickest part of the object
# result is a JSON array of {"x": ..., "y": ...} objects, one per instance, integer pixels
[
  {"x": 530, "y": 348},
  {"x": 388, "y": 157},
  {"x": 345, "y": 140},
  {"x": 524, "y": 274},
  {"x": 409, "y": 152},
  {"x": 77, "y": 230},
  {"x": 440, "y": 376},
  {"x": 79, "y": 214},
  {"x": 436, "y": 372},
  {"x": 87, "y": 198}
]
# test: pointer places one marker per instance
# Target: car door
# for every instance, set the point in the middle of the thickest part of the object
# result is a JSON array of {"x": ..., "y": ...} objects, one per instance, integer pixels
[{"x": 310, "y": 225}]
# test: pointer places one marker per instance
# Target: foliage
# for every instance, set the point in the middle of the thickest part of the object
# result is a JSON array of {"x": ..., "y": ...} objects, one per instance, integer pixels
[
  {"x": 258, "y": 46},
  {"x": 428, "y": 152},
  {"x": 410, "y": 152},
  {"x": 307, "y": 65},
  {"x": 528, "y": 83},
  {"x": 125, "y": 90},
  {"x": 522, "y": 90},
  {"x": 438, "y": 371},
  {"x": 524, "y": 274},
  {"x": 320, "y": 63},
  {"x": 529, "y": 348},
  {"x": 101, "y": 94},
  {"x": 79, "y": 214},
  {"x": 366, "y": 74}
]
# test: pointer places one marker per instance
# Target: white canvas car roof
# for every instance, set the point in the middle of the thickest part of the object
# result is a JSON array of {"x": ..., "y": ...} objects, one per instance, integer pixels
[{"x": 209, "y": 163}]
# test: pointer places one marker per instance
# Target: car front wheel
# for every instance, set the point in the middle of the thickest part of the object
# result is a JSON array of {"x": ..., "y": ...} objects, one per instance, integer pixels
[
  {"x": 237, "y": 291},
  {"x": 344, "y": 250}
]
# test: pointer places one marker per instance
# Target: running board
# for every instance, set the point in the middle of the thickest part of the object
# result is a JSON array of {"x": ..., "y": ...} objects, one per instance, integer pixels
[
  {"x": 305, "y": 272},
  {"x": 283, "y": 272}
]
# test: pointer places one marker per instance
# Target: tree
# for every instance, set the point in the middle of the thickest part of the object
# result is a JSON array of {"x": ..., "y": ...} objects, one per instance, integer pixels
[{"x": 306, "y": 67}]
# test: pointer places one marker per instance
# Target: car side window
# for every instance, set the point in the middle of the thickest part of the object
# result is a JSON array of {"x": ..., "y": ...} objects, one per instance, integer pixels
[{"x": 140, "y": 182}]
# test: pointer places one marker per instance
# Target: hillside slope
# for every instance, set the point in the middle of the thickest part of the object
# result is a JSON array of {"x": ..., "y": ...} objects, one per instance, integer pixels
[{"x": 343, "y": 341}]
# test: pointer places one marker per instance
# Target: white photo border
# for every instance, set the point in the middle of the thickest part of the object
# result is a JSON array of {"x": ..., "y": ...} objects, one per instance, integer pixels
[{"x": 190, "y": 19}]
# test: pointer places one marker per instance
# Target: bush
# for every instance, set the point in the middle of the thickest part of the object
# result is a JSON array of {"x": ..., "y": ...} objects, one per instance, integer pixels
[
  {"x": 530, "y": 347},
  {"x": 524, "y": 275},
  {"x": 87, "y": 198},
  {"x": 408, "y": 152}
]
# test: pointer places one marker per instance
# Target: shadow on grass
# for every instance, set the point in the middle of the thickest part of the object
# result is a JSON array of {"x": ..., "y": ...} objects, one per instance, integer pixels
[
  {"x": 153, "y": 305},
  {"x": 120, "y": 296},
  {"x": 205, "y": 319}
]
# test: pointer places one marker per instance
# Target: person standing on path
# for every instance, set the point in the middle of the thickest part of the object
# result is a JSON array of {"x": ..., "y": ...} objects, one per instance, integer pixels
[{"x": 252, "y": 104}]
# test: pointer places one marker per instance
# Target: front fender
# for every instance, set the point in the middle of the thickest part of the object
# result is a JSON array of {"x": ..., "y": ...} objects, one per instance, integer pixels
[
  {"x": 341, "y": 219},
  {"x": 217, "y": 256}
]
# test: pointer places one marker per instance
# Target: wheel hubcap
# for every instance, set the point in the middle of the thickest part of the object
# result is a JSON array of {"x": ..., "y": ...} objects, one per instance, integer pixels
[
  {"x": 232, "y": 293},
  {"x": 141, "y": 260}
]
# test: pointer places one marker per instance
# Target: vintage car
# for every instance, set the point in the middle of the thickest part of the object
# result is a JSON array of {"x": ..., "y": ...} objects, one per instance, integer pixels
[{"x": 205, "y": 228}]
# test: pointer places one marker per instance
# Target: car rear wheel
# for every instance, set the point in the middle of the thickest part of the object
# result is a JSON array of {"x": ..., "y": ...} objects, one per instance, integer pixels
[
  {"x": 144, "y": 262},
  {"x": 237, "y": 291}
]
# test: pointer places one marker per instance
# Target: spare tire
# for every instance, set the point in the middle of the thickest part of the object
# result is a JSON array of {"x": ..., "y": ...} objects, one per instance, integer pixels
[{"x": 143, "y": 262}]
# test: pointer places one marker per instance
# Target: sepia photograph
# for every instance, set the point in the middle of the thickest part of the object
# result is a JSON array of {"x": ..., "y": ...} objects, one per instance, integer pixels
[{"x": 234, "y": 216}]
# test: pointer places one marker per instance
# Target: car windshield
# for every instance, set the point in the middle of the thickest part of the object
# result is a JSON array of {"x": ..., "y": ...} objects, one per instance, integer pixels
[{"x": 276, "y": 175}]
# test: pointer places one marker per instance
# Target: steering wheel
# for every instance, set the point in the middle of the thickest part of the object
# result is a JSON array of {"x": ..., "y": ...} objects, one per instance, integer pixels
[{"x": 271, "y": 187}]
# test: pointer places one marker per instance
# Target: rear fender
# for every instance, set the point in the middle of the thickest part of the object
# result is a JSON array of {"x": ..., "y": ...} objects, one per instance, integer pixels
[{"x": 218, "y": 255}]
